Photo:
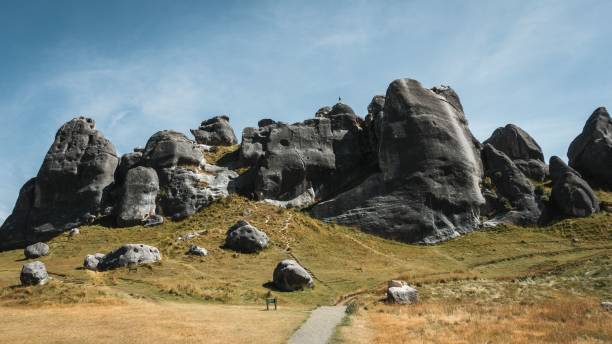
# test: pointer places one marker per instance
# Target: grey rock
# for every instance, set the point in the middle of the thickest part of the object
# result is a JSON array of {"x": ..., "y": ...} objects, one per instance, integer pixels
[
  {"x": 34, "y": 273},
  {"x": 607, "y": 306},
  {"x": 291, "y": 276},
  {"x": 69, "y": 188},
  {"x": 91, "y": 261},
  {"x": 36, "y": 250},
  {"x": 243, "y": 237},
  {"x": 300, "y": 202},
  {"x": 215, "y": 132},
  {"x": 139, "y": 194},
  {"x": 74, "y": 232},
  {"x": 128, "y": 161},
  {"x": 322, "y": 112},
  {"x": 571, "y": 194},
  {"x": 197, "y": 251},
  {"x": 129, "y": 255},
  {"x": 449, "y": 95},
  {"x": 265, "y": 122},
  {"x": 154, "y": 220},
  {"x": 399, "y": 292},
  {"x": 427, "y": 189},
  {"x": 169, "y": 149},
  {"x": 591, "y": 152},
  {"x": 522, "y": 149}
]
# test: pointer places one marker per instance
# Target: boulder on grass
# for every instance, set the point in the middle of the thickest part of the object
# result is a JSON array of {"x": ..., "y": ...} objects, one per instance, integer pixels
[
  {"x": 243, "y": 237},
  {"x": 399, "y": 292},
  {"x": 197, "y": 251},
  {"x": 36, "y": 250},
  {"x": 291, "y": 276},
  {"x": 129, "y": 255},
  {"x": 91, "y": 261},
  {"x": 34, "y": 273}
]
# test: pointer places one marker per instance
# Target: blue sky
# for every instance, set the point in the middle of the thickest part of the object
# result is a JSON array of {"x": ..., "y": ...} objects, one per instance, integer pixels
[{"x": 140, "y": 66}]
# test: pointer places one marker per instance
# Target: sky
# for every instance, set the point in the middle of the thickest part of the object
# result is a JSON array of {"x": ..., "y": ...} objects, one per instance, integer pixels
[{"x": 137, "y": 67}]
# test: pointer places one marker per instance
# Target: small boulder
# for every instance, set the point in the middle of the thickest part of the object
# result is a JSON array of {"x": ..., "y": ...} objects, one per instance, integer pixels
[
  {"x": 290, "y": 276},
  {"x": 570, "y": 193},
  {"x": 74, "y": 232},
  {"x": 129, "y": 255},
  {"x": 154, "y": 220},
  {"x": 34, "y": 273},
  {"x": 197, "y": 251},
  {"x": 399, "y": 292},
  {"x": 243, "y": 237},
  {"x": 91, "y": 261},
  {"x": 607, "y": 306},
  {"x": 215, "y": 132},
  {"x": 36, "y": 250}
]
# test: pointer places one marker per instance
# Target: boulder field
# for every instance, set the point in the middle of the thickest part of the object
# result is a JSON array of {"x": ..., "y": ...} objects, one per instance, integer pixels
[{"x": 410, "y": 170}]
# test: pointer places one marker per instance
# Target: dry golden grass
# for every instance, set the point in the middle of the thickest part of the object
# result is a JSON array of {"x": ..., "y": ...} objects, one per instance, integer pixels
[
  {"x": 561, "y": 321},
  {"x": 148, "y": 322}
]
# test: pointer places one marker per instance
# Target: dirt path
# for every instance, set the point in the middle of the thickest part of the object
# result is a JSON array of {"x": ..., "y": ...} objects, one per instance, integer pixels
[{"x": 319, "y": 328}]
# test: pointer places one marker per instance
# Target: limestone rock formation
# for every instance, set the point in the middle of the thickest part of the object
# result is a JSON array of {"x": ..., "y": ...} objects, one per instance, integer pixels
[
  {"x": 138, "y": 201},
  {"x": 34, "y": 273},
  {"x": 428, "y": 186},
  {"x": 91, "y": 261},
  {"x": 215, "y": 132},
  {"x": 169, "y": 149},
  {"x": 570, "y": 193},
  {"x": 36, "y": 250},
  {"x": 243, "y": 237},
  {"x": 291, "y": 276},
  {"x": 522, "y": 149},
  {"x": 511, "y": 185},
  {"x": 591, "y": 152},
  {"x": 129, "y": 255},
  {"x": 69, "y": 188},
  {"x": 399, "y": 292}
]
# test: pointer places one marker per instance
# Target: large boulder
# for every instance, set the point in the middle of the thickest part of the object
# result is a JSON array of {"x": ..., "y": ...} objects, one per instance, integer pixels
[
  {"x": 138, "y": 201},
  {"x": 512, "y": 185},
  {"x": 243, "y": 237},
  {"x": 571, "y": 194},
  {"x": 129, "y": 255},
  {"x": 399, "y": 292},
  {"x": 36, "y": 250},
  {"x": 169, "y": 149},
  {"x": 291, "y": 276},
  {"x": 522, "y": 149},
  {"x": 34, "y": 273},
  {"x": 69, "y": 188},
  {"x": 430, "y": 169},
  {"x": 215, "y": 132},
  {"x": 591, "y": 152}
]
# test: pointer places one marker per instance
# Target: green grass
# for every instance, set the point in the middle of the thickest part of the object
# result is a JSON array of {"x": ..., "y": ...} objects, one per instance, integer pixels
[{"x": 344, "y": 260}]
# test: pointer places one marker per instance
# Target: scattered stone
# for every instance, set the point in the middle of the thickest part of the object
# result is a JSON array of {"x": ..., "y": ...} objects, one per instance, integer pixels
[
  {"x": 197, "y": 251},
  {"x": 36, "y": 250},
  {"x": 154, "y": 220},
  {"x": 215, "y": 132},
  {"x": 245, "y": 238},
  {"x": 74, "y": 232},
  {"x": 188, "y": 236},
  {"x": 570, "y": 193},
  {"x": 399, "y": 292},
  {"x": 92, "y": 260},
  {"x": 34, "y": 273},
  {"x": 290, "y": 276},
  {"x": 129, "y": 255}
]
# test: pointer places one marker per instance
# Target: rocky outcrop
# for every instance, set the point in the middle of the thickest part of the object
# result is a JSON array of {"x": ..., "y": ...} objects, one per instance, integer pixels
[
  {"x": 522, "y": 149},
  {"x": 243, "y": 237},
  {"x": 591, "y": 152},
  {"x": 511, "y": 186},
  {"x": 169, "y": 149},
  {"x": 215, "y": 132},
  {"x": 34, "y": 273},
  {"x": 291, "y": 276},
  {"x": 69, "y": 188},
  {"x": 129, "y": 255},
  {"x": 399, "y": 292},
  {"x": 36, "y": 250},
  {"x": 138, "y": 201},
  {"x": 428, "y": 186},
  {"x": 570, "y": 193}
]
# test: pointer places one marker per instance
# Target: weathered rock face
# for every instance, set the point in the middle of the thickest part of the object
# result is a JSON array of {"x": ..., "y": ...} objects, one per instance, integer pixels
[
  {"x": 243, "y": 237},
  {"x": 326, "y": 154},
  {"x": 168, "y": 149},
  {"x": 522, "y": 149},
  {"x": 36, "y": 250},
  {"x": 34, "y": 273},
  {"x": 428, "y": 187},
  {"x": 510, "y": 185},
  {"x": 291, "y": 276},
  {"x": 591, "y": 152},
  {"x": 399, "y": 292},
  {"x": 69, "y": 188},
  {"x": 570, "y": 193},
  {"x": 140, "y": 190},
  {"x": 215, "y": 132},
  {"x": 129, "y": 255}
]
